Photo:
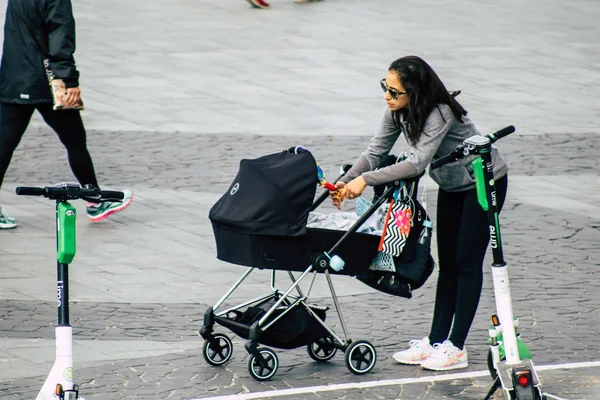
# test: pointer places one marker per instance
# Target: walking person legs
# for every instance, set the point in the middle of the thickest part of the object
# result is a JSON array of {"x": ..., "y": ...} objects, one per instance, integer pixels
[
  {"x": 14, "y": 119},
  {"x": 70, "y": 130},
  {"x": 69, "y": 127}
]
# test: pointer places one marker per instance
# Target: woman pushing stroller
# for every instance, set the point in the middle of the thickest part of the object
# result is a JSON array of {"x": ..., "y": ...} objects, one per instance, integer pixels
[{"x": 434, "y": 123}]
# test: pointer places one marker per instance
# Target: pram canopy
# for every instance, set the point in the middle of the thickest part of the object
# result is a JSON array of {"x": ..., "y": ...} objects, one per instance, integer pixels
[
  {"x": 271, "y": 195},
  {"x": 261, "y": 220}
]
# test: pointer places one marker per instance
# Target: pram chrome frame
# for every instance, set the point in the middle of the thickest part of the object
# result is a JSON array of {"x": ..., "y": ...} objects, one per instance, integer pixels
[
  {"x": 282, "y": 298},
  {"x": 218, "y": 347}
]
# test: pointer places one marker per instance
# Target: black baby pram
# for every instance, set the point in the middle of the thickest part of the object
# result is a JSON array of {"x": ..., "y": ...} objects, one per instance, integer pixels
[{"x": 261, "y": 222}]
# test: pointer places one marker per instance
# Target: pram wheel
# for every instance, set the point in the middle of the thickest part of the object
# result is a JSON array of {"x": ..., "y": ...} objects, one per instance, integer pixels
[
  {"x": 217, "y": 350},
  {"x": 264, "y": 366},
  {"x": 322, "y": 350},
  {"x": 360, "y": 357}
]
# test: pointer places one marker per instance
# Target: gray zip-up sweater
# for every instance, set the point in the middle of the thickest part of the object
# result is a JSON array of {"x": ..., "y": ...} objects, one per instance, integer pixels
[{"x": 441, "y": 134}]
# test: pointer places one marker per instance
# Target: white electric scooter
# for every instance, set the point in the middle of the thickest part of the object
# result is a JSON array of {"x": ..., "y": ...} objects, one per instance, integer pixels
[
  {"x": 59, "y": 383},
  {"x": 509, "y": 360}
]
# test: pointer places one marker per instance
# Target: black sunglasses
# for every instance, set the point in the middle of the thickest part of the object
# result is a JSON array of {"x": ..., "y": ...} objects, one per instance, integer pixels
[{"x": 393, "y": 92}]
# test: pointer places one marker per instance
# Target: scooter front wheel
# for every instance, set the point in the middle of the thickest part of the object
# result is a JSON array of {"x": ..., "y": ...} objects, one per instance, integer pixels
[
  {"x": 522, "y": 395},
  {"x": 526, "y": 395}
]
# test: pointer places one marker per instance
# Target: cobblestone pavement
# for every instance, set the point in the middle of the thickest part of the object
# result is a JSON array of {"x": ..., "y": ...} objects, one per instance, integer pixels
[
  {"x": 201, "y": 162},
  {"x": 177, "y": 94},
  {"x": 553, "y": 307}
]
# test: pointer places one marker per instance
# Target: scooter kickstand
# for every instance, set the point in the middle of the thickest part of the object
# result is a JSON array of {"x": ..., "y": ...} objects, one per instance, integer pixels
[{"x": 495, "y": 386}]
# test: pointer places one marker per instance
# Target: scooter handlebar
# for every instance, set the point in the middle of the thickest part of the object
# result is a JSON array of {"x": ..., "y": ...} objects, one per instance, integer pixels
[
  {"x": 462, "y": 150},
  {"x": 30, "y": 191},
  {"x": 501, "y": 133},
  {"x": 112, "y": 194},
  {"x": 448, "y": 158},
  {"x": 71, "y": 193}
]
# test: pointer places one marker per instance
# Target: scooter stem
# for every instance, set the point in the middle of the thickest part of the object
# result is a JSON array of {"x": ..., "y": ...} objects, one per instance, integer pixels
[
  {"x": 62, "y": 370},
  {"x": 486, "y": 194},
  {"x": 505, "y": 313}
]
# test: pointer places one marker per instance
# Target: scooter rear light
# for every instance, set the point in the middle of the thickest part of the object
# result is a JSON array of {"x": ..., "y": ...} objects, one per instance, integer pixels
[{"x": 524, "y": 380}]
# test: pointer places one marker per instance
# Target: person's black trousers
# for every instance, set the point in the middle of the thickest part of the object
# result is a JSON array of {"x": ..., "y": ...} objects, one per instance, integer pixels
[
  {"x": 463, "y": 236},
  {"x": 14, "y": 119}
]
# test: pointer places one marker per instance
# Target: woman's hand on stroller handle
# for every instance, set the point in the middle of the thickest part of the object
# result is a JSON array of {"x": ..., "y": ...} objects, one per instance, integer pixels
[{"x": 352, "y": 190}]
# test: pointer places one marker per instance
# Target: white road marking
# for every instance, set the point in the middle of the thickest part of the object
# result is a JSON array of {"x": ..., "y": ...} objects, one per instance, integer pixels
[
  {"x": 551, "y": 396},
  {"x": 391, "y": 382}
]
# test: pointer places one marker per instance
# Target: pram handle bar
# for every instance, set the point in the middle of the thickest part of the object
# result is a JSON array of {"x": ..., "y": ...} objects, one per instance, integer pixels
[{"x": 378, "y": 202}]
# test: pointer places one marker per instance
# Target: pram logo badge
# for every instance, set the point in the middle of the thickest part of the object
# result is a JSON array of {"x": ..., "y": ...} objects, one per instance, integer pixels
[{"x": 234, "y": 189}]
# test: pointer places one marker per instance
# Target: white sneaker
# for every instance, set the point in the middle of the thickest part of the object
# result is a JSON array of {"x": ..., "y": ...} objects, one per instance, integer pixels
[
  {"x": 445, "y": 357},
  {"x": 419, "y": 351}
]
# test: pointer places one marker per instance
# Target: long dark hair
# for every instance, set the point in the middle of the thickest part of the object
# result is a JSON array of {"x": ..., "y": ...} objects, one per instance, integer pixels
[{"x": 425, "y": 92}]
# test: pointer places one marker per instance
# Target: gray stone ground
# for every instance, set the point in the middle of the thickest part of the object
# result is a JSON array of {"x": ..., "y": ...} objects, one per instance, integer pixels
[{"x": 178, "y": 93}]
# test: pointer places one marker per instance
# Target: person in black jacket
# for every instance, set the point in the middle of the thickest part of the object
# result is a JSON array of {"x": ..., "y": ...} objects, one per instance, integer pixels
[{"x": 40, "y": 34}]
